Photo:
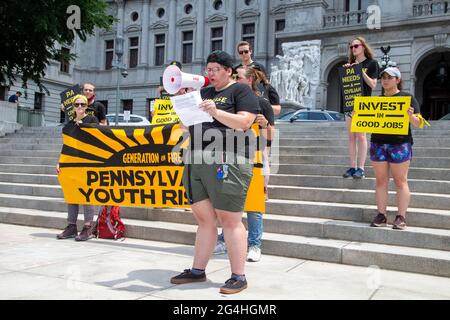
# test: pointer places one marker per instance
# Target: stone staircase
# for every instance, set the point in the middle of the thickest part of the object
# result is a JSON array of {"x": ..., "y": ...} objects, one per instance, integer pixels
[{"x": 313, "y": 213}]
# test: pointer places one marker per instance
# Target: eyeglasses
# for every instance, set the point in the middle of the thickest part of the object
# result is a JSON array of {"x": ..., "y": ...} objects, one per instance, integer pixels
[
  {"x": 244, "y": 51},
  {"x": 79, "y": 105},
  {"x": 213, "y": 70},
  {"x": 355, "y": 46}
]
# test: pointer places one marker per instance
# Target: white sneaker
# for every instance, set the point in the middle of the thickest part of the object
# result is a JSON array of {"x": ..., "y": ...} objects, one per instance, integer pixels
[
  {"x": 254, "y": 254},
  {"x": 220, "y": 248}
]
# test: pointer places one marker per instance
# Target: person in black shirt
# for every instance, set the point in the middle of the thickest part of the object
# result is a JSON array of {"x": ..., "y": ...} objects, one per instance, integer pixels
[
  {"x": 80, "y": 104},
  {"x": 95, "y": 108},
  {"x": 266, "y": 121},
  {"x": 245, "y": 53},
  {"x": 15, "y": 97},
  {"x": 360, "y": 52},
  {"x": 218, "y": 190},
  {"x": 393, "y": 153}
]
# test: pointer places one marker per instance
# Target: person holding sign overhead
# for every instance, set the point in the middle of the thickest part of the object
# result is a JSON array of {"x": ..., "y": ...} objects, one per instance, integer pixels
[
  {"x": 80, "y": 104},
  {"x": 217, "y": 190},
  {"x": 360, "y": 53},
  {"x": 393, "y": 153}
]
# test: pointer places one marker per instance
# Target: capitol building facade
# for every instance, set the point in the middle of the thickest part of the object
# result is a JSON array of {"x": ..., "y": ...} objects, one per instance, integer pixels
[{"x": 156, "y": 32}]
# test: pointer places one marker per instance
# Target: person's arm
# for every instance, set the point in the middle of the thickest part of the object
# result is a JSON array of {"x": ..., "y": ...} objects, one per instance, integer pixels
[
  {"x": 240, "y": 120},
  {"x": 370, "y": 82},
  {"x": 415, "y": 121},
  {"x": 276, "y": 109}
]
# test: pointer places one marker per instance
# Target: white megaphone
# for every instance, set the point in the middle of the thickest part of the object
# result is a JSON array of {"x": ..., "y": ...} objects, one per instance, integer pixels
[{"x": 174, "y": 79}]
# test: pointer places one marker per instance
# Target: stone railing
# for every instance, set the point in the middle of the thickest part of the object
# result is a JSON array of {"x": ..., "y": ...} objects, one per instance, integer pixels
[
  {"x": 8, "y": 111},
  {"x": 352, "y": 18},
  {"x": 431, "y": 8}
]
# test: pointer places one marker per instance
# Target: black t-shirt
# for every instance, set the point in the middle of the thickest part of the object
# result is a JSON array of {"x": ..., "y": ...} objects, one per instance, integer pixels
[
  {"x": 255, "y": 65},
  {"x": 266, "y": 110},
  {"x": 87, "y": 119},
  {"x": 370, "y": 67},
  {"x": 394, "y": 138},
  {"x": 269, "y": 93},
  {"x": 98, "y": 110},
  {"x": 237, "y": 97}
]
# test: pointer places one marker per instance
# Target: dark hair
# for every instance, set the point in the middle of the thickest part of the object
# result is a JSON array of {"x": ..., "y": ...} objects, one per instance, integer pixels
[
  {"x": 244, "y": 43},
  {"x": 400, "y": 85},
  {"x": 18, "y": 92}
]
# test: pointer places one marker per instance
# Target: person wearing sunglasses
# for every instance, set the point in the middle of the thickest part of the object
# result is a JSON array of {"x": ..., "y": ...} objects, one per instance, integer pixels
[
  {"x": 80, "y": 104},
  {"x": 219, "y": 173},
  {"x": 245, "y": 54},
  {"x": 360, "y": 52},
  {"x": 392, "y": 154}
]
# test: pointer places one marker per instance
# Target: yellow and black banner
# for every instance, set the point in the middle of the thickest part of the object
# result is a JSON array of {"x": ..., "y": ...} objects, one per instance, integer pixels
[
  {"x": 66, "y": 99},
  {"x": 384, "y": 115},
  {"x": 127, "y": 166}
]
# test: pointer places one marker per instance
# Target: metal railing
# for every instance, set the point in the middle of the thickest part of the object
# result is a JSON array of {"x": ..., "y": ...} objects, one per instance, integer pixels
[
  {"x": 431, "y": 8},
  {"x": 341, "y": 19}
]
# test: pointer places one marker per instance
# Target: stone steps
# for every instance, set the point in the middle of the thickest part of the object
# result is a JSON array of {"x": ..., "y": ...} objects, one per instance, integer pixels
[{"x": 428, "y": 261}]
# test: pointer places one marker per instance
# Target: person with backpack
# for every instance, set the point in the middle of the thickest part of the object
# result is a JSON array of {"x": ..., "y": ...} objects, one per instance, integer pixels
[{"x": 80, "y": 104}]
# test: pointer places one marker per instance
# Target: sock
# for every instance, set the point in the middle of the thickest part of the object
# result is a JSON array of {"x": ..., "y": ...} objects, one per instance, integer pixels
[
  {"x": 197, "y": 272},
  {"x": 238, "y": 277}
]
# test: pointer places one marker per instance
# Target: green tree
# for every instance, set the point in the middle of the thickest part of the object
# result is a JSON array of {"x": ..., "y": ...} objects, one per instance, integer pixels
[{"x": 31, "y": 30}]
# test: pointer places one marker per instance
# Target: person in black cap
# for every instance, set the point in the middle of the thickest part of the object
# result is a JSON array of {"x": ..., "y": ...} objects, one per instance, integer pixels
[{"x": 218, "y": 191}]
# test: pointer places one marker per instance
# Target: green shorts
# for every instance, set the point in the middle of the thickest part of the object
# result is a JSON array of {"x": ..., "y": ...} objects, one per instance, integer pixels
[{"x": 228, "y": 194}]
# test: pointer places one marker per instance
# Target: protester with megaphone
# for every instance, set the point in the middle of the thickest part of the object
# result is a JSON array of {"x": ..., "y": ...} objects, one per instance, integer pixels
[{"x": 218, "y": 191}]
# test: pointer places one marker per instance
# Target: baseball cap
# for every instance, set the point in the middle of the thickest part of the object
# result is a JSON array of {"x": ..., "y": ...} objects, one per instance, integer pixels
[
  {"x": 221, "y": 57},
  {"x": 393, "y": 72},
  {"x": 176, "y": 63}
]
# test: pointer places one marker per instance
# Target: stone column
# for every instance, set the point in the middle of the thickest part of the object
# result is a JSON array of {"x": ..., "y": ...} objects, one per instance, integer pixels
[
  {"x": 143, "y": 43},
  {"x": 231, "y": 29},
  {"x": 120, "y": 16},
  {"x": 263, "y": 31},
  {"x": 172, "y": 30},
  {"x": 200, "y": 33}
]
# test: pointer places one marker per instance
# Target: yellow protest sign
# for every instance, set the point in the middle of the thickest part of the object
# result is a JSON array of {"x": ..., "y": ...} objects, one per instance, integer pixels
[
  {"x": 126, "y": 166},
  {"x": 384, "y": 115},
  {"x": 164, "y": 112}
]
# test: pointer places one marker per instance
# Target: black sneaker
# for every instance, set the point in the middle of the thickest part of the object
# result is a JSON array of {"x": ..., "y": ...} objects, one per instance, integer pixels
[
  {"x": 233, "y": 285},
  {"x": 349, "y": 173},
  {"x": 379, "y": 221},
  {"x": 187, "y": 277},
  {"x": 69, "y": 232},
  {"x": 399, "y": 223},
  {"x": 85, "y": 234},
  {"x": 359, "y": 174}
]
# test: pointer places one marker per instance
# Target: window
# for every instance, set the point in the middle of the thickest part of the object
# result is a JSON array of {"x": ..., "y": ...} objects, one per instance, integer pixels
[
  {"x": 280, "y": 25},
  {"x": 248, "y": 2},
  {"x": 188, "y": 8},
  {"x": 134, "y": 16},
  {"x": 301, "y": 116},
  {"x": 109, "y": 54},
  {"x": 38, "y": 100},
  {"x": 160, "y": 45},
  {"x": 134, "y": 52},
  {"x": 248, "y": 33},
  {"x": 356, "y": 5},
  {"x": 188, "y": 37},
  {"x": 317, "y": 116},
  {"x": 64, "y": 65},
  {"x": 160, "y": 12},
  {"x": 3, "y": 92},
  {"x": 216, "y": 38},
  {"x": 218, "y": 4},
  {"x": 127, "y": 105}
]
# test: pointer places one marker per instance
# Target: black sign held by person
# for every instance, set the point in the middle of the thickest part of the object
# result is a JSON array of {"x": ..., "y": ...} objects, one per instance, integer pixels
[
  {"x": 351, "y": 79},
  {"x": 66, "y": 99}
]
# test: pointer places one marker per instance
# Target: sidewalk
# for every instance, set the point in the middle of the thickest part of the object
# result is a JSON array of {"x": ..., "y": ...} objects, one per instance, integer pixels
[{"x": 34, "y": 265}]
